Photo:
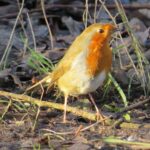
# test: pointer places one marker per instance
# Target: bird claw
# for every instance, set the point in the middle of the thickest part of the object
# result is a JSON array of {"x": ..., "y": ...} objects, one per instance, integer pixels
[{"x": 100, "y": 117}]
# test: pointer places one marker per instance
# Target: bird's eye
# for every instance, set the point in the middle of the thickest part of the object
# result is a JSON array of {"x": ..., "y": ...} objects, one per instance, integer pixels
[{"x": 100, "y": 30}]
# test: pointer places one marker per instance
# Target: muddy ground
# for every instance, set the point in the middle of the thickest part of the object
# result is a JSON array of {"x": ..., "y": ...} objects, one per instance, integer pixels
[{"x": 24, "y": 125}]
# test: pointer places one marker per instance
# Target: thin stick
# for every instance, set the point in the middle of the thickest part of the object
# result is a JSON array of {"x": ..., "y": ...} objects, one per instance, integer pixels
[
  {"x": 138, "y": 104},
  {"x": 49, "y": 29},
  {"x": 32, "y": 32},
  {"x": 38, "y": 111},
  {"x": 6, "y": 109},
  {"x": 8, "y": 47}
]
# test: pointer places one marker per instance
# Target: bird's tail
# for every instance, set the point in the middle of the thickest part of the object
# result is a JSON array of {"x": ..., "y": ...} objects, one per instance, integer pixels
[{"x": 45, "y": 81}]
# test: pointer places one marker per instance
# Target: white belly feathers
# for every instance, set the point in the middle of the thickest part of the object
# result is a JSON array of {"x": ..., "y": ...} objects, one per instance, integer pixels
[{"x": 78, "y": 79}]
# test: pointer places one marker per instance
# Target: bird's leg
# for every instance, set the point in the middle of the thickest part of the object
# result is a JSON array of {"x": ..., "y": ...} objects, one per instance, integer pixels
[
  {"x": 98, "y": 112},
  {"x": 65, "y": 107}
]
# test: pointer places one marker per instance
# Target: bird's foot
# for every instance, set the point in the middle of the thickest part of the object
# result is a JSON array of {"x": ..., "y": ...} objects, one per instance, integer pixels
[{"x": 101, "y": 118}]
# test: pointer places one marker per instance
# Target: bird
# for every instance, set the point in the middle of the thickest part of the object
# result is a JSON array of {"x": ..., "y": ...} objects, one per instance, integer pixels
[{"x": 85, "y": 65}]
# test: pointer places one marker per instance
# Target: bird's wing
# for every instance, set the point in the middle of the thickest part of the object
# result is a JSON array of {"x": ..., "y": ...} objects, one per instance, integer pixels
[
  {"x": 60, "y": 69},
  {"x": 66, "y": 62},
  {"x": 63, "y": 66}
]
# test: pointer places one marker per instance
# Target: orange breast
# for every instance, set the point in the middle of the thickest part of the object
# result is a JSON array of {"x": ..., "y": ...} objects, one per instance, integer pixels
[{"x": 99, "y": 56}]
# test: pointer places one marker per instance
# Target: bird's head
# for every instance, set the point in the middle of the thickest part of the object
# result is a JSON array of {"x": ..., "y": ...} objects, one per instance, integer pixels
[
  {"x": 94, "y": 35},
  {"x": 99, "y": 55},
  {"x": 99, "y": 32}
]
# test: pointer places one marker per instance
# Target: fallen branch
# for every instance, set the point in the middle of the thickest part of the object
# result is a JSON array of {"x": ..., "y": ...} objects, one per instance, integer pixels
[
  {"x": 40, "y": 103},
  {"x": 142, "y": 101},
  {"x": 78, "y": 112},
  {"x": 129, "y": 7}
]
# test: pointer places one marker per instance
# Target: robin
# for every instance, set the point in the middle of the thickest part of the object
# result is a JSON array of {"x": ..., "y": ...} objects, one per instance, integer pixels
[{"x": 85, "y": 65}]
